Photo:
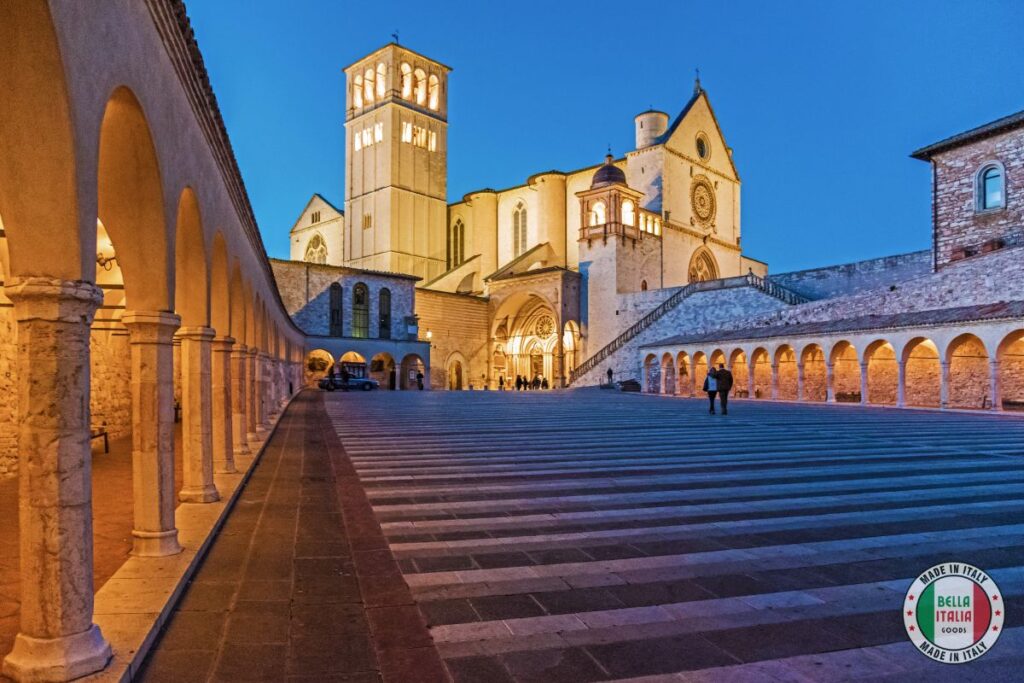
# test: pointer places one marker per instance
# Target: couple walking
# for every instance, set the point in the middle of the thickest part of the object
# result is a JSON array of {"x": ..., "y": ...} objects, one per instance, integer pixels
[{"x": 719, "y": 382}]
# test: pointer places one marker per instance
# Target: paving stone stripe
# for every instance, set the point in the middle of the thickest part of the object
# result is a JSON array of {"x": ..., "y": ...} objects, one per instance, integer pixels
[{"x": 615, "y": 536}]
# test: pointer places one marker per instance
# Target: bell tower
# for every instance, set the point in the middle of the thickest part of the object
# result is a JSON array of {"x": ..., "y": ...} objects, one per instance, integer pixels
[{"x": 396, "y": 176}]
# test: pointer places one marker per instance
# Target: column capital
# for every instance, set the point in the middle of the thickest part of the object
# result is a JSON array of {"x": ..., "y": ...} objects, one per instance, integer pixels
[
  {"x": 42, "y": 298},
  {"x": 252, "y": 351},
  {"x": 151, "y": 327},
  {"x": 196, "y": 333},
  {"x": 223, "y": 344}
]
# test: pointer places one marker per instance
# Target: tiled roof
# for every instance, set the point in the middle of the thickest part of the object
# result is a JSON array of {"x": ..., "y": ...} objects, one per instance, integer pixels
[
  {"x": 993, "y": 128},
  {"x": 942, "y": 316}
]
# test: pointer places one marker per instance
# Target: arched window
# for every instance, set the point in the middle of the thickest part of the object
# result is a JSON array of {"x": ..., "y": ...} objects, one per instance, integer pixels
[
  {"x": 598, "y": 214},
  {"x": 421, "y": 87},
  {"x": 433, "y": 92},
  {"x": 316, "y": 250},
  {"x": 519, "y": 229},
  {"x": 456, "y": 244},
  {"x": 643, "y": 285},
  {"x": 629, "y": 212},
  {"x": 336, "y": 319},
  {"x": 991, "y": 192},
  {"x": 357, "y": 91},
  {"x": 382, "y": 80},
  {"x": 406, "y": 81},
  {"x": 368, "y": 86},
  {"x": 384, "y": 313},
  {"x": 360, "y": 311}
]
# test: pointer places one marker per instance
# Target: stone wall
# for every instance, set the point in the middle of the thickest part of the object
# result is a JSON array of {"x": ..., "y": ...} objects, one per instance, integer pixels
[
  {"x": 459, "y": 329},
  {"x": 851, "y": 278},
  {"x": 110, "y": 396},
  {"x": 9, "y": 389},
  {"x": 305, "y": 290},
  {"x": 958, "y": 222}
]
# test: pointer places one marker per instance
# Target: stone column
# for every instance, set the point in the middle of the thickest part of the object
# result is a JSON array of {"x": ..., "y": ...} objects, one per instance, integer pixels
[
  {"x": 800, "y": 381},
  {"x": 830, "y": 383},
  {"x": 864, "y": 383},
  {"x": 223, "y": 436},
  {"x": 995, "y": 389},
  {"x": 751, "y": 380},
  {"x": 240, "y": 400},
  {"x": 151, "y": 334},
  {"x": 252, "y": 394},
  {"x": 57, "y": 639},
  {"x": 265, "y": 389},
  {"x": 560, "y": 357},
  {"x": 197, "y": 416},
  {"x": 775, "y": 381},
  {"x": 944, "y": 385},
  {"x": 901, "y": 384}
]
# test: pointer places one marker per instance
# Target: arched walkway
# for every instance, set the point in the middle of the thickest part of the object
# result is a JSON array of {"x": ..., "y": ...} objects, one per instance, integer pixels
[
  {"x": 700, "y": 372},
  {"x": 968, "y": 373},
  {"x": 684, "y": 383},
  {"x": 318, "y": 365},
  {"x": 815, "y": 374},
  {"x": 922, "y": 374},
  {"x": 1011, "y": 371},
  {"x": 652, "y": 374},
  {"x": 883, "y": 373},
  {"x": 382, "y": 369},
  {"x": 668, "y": 375},
  {"x": 455, "y": 371},
  {"x": 786, "y": 373},
  {"x": 353, "y": 362},
  {"x": 762, "y": 370},
  {"x": 740, "y": 373},
  {"x": 845, "y": 373},
  {"x": 412, "y": 373}
]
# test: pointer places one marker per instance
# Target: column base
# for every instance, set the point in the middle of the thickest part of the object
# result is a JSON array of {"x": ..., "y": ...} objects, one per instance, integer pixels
[
  {"x": 57, "y": 659},
  {"x": 207, "y": 494},
  {"x": 225, "y": 467},
  {"x": 155, "y": 543},
  {"x": 242, "y": 449}
]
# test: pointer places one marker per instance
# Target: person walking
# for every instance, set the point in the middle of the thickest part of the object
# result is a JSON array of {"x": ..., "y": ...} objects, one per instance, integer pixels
[
  {"x": 419, "y": 380},
  {"x": 724, "y": 381},
  {"x": 610, "y": 375},
  {"x": 544, "y": 383},
  {"x": 345, "y": 377},
  {"x": 519, "y": 382},
  {"x": 711, "y": 387},
  {"x": 501, "y": 383}
]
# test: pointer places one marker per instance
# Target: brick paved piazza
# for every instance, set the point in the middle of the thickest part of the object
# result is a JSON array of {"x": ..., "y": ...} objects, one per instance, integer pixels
[{"x": 591, "y": 535}]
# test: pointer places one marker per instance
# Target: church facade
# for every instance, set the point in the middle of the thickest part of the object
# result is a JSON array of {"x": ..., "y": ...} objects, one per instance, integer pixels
[{"x": 529, "y": 280}]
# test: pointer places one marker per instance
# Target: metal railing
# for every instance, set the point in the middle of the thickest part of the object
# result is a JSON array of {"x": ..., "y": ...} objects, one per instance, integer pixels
[{"x": 749, "y": 280}]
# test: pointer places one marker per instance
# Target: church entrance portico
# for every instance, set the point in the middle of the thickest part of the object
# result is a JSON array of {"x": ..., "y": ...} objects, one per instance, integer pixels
[{"x": 535, "y": 326}]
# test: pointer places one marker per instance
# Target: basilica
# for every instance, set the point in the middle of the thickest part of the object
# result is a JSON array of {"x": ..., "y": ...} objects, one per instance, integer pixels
[{"x": 528, "y": 280}]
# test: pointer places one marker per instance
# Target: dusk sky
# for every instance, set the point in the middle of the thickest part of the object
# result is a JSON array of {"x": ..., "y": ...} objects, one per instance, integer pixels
[{"x": 822, "y": 102}]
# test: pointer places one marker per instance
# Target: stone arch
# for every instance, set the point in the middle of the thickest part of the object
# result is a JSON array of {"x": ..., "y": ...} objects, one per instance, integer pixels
[
  {"x": 457, "y": 372},
  {"x": 922, "y": 374},
  {"x": 384, "y": 370},
  {"x": 1010, "y": 355},
  {"x": 883, "y": 373},
  {"x": 740, "y": 370},
  {"x": 785, "y": 367},
  {"x": 221, "y": 292},
  {"x": 684, "y": 384},
  {"x": 49, "y": 226},
  {"x": 703, "y": 266},
  {"x": 815, "y": 384},
  {"x": 761, "y": 368},
  {"x": 131, "y": 203},
  {"x": 239, "y": 306},
  {"x": 968, "y": 373},
  {"x": 191, "y": 266},
  {"x": 652, "y": 374},
  {"x": 700, "y": 371},
  {"x": 318, "y": 365},
  {"x": 571, "y": 345},
  {"x": 717, "y": 358},
  {"x": 845, "y": 372},
  {"x": 527, "y": 326},
  {"x": 412, "y": 365},
  {"x": 668, "y": 374}
]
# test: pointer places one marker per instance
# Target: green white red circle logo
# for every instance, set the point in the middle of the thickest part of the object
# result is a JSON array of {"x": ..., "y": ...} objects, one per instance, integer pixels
[{"x": 954, "y": 613}]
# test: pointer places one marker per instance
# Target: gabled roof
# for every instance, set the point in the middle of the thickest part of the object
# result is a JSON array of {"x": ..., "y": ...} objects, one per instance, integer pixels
[
  {"x": 981, "y": 132},
  {"x": 316, "y": 195},
  {"x": 697, "y": 94}
]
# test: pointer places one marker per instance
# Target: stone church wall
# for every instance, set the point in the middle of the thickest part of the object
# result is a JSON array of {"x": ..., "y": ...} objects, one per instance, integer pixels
[
  {"x": 957, "y": 224},
  {"x": 459, "y": 324},
  {"x": 110, "y": 383},
  {"x": 851, "y": 278}
]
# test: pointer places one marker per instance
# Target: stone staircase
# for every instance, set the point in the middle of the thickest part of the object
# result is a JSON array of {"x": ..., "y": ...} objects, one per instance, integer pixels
[{"x": 630, "y": 333}]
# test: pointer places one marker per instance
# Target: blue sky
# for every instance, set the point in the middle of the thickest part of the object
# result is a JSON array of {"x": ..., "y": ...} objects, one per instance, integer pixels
[{"x": 821, "y": 101}]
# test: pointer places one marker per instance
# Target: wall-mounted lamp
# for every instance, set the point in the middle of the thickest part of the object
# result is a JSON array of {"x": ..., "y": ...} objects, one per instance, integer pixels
[
  {"x": 429, "y": 334},
  {"x": 104, "y": 262}
]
